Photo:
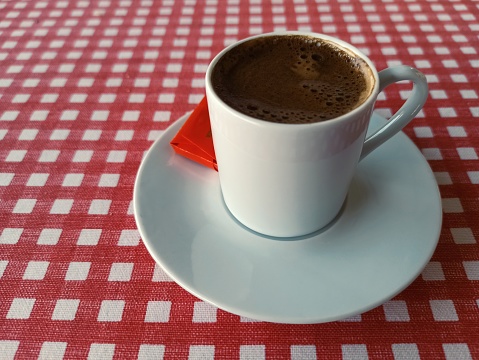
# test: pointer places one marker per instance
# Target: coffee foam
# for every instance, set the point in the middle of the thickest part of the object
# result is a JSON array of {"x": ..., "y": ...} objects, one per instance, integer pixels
[{"x": 292, "y": 79}]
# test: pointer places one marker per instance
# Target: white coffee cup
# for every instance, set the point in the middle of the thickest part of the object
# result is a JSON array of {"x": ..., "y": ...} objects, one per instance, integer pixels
[{"x": 288, "y": 180}]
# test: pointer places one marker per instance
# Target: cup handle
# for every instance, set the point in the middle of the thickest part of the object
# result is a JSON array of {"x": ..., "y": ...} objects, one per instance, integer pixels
[{"x": 406, "y": 113}]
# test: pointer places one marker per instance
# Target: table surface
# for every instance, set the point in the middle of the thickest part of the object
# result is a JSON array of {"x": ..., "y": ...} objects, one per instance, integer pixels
[{"x": 86, "y": 86}]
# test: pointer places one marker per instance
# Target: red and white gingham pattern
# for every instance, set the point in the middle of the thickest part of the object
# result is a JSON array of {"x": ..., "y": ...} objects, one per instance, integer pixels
[{"x": 87, "y": 85}]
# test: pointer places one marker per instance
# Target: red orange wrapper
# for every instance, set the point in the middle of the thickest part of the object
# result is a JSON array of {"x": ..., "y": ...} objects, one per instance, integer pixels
[{"x": 194, "y": 140}]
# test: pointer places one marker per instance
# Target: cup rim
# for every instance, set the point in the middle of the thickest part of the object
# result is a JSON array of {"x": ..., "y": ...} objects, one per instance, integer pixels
[{"x": 341, "y": 43}]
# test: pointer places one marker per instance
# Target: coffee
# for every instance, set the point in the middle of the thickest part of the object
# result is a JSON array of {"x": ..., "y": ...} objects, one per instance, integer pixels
[{"x": 292, "y": 79}]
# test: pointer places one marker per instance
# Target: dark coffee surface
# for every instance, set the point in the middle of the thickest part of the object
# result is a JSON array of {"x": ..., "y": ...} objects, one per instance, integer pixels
[{"x": 291, "y": 79}]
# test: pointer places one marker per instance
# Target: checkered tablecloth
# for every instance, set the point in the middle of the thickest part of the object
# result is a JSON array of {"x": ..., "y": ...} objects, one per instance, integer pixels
[{"x": 86, "y": 86}]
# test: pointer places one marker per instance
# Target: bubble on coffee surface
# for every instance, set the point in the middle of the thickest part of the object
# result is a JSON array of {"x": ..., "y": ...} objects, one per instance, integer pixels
[{"x": 291, "y": 79}]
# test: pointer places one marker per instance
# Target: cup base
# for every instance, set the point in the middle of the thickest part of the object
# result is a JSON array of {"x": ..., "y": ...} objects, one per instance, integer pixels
[{"x": 287, "y": 238}]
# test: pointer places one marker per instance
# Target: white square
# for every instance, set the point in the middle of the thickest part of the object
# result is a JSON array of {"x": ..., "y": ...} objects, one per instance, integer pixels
[
  {"x": 142, "y": 82},
  {"x": 8, "y": 348},
  {"x": 432, "y": 153},
  {"x": 170, "y": 82},
  {"x": 4, "y": 83},
  {"x": 195, "y": 98},
  {"x": 33, "y": 83},
  {"x": 173, "y": 68},
  {"x": 73, "y": 179},
  {"x": 252, "y": 352},
  {"x": 15, "y": 69},
  {"x": 457, "y": 352},
  {"x": 58, "y": 82},
  {"x": 114, "y": 82},
  {"x": 303, "y": 352},
  {"x": 107, "y": 98},
  {"x": 49, "y": 156},
  {"x": 159, "y": 275},
  {"x": 472, "y": 269},
  {"x": 468, "y": 94},
  {"x": 450, "y": 64},
  {"x": 65, "y": 309},
  {"x": 131, "y": 115},
  {"x": 59, "y": 134},
  {"x": 201, "y": 352},
  {"x": 459, "y": 78},
  {"x": 109, "y": 180},
  {"x": 125, "y": 55},
  {"x": 452, "y": 205},
  {"x": 124, "y": 135},
  {"x": 24, "y": 206},
  {"x": 155, "y": 134},
  {"x": 3, "y": 132},
  {"x": 10, "y": 235},
  {"x": 99, "y": 55},
  {"x": 354, "y": 352},
  {"x": 9, "y": 115},
  {"x": 82, "y": 156},
  {"x": 99, "y": 207},
  {"x": 443, "y": 310},
  {"x": 120, "y": 272},
  {"x": 101, "y": 351},
  {"x": 396, "y": 310},
  {"x": 111, "y": 310},
  {"x": 78, "y": 98},
  {"x": 6, "y": 178},
  {"x": 91, "y": 135},
  {"x": 40, "y": 69},
  {"x": 66, "y": 68},
  {"x": 61, "y": 206},
  {"x": 77, "y": 271},
  {"x": 151, "y": 54},
  {"x": 49, "y": 236},
  {"x": 149, "y": 351},
  {"x": 16, "y": 156},
  {"x": 146, "y": 68},
  {"x": 116, "y": 156},
  {"x": 85, "y": 82},
  {"x": 93, "y": 68},
  {"x": 69, "y": 115},
  {"x": 52, "y": 350},
  {"x": 21, "y": 308},
  {"x": 28, "y": 134},
  {"x": 36, "y": 270},
  {"x": 166, "y": 98},
  {"x": 137, "y": 98},
  {"x": 474, "y": 111},
  {"x": 49, "y": 98},
  {"x": 456, "y": 131},
  {"x": 74, "y": 55},
  {"x": 433, "y": 272},
  {"x": 3, "y": 266},
  {"x": 119, "y": 68},
  {"x": 198, "y": 83},
  {"x": 129, "y": 238},
  {"x": 438, "y": 94},
  {"x": 405, "y": 352},
  {"x": 39, "y": 115},
  {"x": 89, "y": 237},
  {"x": 473, "y": 176},
  {"x": 463, "y": 236},
  {"x": 423, "y": 132},
  {"x": 100, "y": 115},
  {"x": 467, "y": 153},
  {"x": 20, "y": 98},
  {"x": 157, "y": 312},
  {"x": 204, "y": 312},
  {"x": 162, "y": 116}
]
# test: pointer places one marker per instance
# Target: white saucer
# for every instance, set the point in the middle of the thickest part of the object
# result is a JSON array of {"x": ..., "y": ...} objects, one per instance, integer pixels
[{"x": 379, "y": 244}]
